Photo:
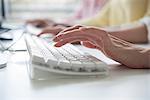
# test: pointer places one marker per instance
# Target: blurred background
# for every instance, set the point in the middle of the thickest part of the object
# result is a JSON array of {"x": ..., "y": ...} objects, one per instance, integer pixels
[{"x": 25, "y": 9}]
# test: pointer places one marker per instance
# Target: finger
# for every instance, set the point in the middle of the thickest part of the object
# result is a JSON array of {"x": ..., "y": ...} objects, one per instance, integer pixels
[
  {"x": 79, "y": 32},
  {"x": 69, "y": 40},
  {"x": 79, "y": 38},
  {"x": 48, "y": 32},
  {"x": 96, "y": 40},
  {"x": 62, "y": 24},
  {"x": 45, "y": 32},
  {"x": 68, "y": 34},
  {"x": 75, "y": 34},
  {"x": 71, "y": 28}
]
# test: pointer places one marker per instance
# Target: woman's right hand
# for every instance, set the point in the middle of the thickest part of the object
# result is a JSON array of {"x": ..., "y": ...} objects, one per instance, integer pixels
[{"x": 113, "y": 47}]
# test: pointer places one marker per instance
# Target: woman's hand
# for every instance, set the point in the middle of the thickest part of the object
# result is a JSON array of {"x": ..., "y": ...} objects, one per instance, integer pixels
[
  {"x": 48, "y": 26},
  {"x": 41, "y": 23},
  {"x": 115, "y": 48},
  {"x": 52, "y": 30},
  {"x": 89, "y": 36}
]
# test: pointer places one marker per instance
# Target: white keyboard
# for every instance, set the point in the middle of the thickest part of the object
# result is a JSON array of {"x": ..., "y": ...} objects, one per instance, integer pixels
[{"x": 66, "y": 60}]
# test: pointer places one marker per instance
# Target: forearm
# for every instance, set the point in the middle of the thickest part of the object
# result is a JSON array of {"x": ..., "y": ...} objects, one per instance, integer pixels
[
  {"x": 134, "y": 35},
  {"x": 132, "y": 57}
]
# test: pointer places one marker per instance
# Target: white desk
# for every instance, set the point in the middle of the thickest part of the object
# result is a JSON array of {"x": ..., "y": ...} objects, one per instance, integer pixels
[{"x": 121, "y": 84}]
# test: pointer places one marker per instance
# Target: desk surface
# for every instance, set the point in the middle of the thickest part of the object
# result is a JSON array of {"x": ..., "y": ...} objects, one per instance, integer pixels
[{"x": 121, "y": 83}]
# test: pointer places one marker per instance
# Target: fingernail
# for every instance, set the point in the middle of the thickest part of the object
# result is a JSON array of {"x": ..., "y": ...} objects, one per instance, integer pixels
[{"x": 57, "y": 45}]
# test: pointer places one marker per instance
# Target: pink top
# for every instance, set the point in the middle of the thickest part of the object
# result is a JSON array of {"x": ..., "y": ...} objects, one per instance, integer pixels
[{"x": 88, "y": 9}]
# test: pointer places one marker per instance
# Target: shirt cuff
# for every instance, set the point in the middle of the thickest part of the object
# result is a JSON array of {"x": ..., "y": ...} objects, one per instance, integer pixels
[{"x": 146, "y": 21}]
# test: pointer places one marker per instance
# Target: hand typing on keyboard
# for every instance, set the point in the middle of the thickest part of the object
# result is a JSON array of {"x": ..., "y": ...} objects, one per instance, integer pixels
[
  {"x": 113, "y": 47},
  {"x": 66, "y": 60}
]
